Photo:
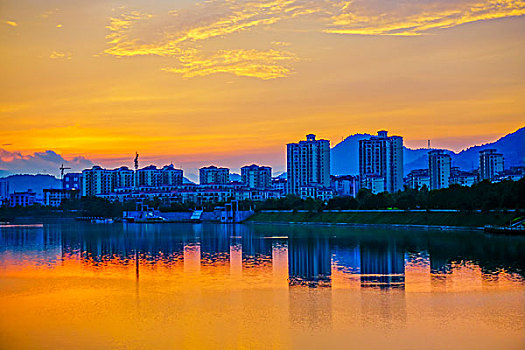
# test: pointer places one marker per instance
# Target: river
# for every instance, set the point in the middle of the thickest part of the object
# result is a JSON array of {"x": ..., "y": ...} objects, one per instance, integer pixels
[{"x": 68, "y": 284}]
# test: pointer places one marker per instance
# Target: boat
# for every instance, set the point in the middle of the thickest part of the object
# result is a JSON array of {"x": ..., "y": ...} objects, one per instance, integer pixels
[
  {"x": 150, "y": 220},
  {"x": 102, "y": 221}
]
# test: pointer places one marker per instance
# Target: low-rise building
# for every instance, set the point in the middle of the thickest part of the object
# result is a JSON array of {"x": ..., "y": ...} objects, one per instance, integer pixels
[
  {"x": 376, "y": 184},
  {"x": 515, "y": 173},
  {"x": 417, "y": 179},
  {"x": 463, "y": 178},
  {"x": 53, "y": 197},
  {"x": 345, "y": 185},
  {"x": 22, "y": 199},
  {"x": 72, "y": 181},
  {"x": 316, "y": 192},
  {"x": 279, "y": 184}
]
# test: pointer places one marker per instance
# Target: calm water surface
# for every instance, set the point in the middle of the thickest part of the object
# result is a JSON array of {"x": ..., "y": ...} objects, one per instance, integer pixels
[{"x": 132, "y": 286}]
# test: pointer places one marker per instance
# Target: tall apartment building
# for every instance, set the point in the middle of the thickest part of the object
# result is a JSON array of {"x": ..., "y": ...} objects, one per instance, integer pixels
[
  {"x": 255, "y": 176},
  {"x": 439, "y": 166},
  {"x": 381, "y": 159},
  {"x": 172, "y": 176},
  {"x": 123, "y": 177},
  {"x": 490, "y": 164},
  {"x": 149, "y": 176},
  {"x": 96, "y": 181},
  {"x": 214, "y": 175},
  {"x": 308, "y": 164}
]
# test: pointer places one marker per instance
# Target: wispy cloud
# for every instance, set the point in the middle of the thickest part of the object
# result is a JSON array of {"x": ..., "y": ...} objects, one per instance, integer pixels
[
  {"x": 60, "y": 55},
  {"x": 184, "y": 35},
  {"x": 410, "y": 18},
  {"x": 265, "y": 65},
  {"x": 11, "y": 23}
]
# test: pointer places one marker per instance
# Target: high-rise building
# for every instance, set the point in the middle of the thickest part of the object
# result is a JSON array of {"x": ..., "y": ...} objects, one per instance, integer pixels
[
  {"x": 308, "y": 164},
  {"x": 214, "y": 175},
  {"x": 381, "y": 159},
  {"x": 172, "y": 176},
  {"x": 123, "y": 177},
  {"x": 255, "y": 176},
  {"x": 149, "y": 176},
  {"x": 96, "y": 181},
  {"x": 439, "y": 166},
  {"x": 490, "y": 164}
]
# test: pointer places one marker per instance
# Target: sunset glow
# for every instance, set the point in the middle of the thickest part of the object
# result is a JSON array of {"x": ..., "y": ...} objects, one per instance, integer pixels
[{"x": 232, "y": 81}]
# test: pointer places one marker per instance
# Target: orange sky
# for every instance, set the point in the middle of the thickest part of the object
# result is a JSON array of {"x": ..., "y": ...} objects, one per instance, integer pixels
[{"x": 230, "y": 81}]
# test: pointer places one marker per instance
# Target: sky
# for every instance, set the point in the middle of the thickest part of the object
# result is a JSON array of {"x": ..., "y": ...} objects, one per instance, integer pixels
[{"x": 230, "y": 82}]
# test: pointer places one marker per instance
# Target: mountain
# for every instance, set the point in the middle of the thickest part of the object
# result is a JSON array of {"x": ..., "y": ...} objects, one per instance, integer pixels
[
  {"x": 235, "y": 177},
  {"x": 187, "y": 181},
  {"x": 345, "y": 155},
  {"x": 21, "y": 183}
]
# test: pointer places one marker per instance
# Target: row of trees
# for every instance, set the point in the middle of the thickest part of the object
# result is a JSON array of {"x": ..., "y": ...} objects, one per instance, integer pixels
[{"x": 482, "y": 196}]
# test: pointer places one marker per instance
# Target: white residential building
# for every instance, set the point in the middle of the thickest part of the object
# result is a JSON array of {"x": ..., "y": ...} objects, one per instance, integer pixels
[
  {"x": 214, "y": 175},
  {"x": 308, "y": 164},
  {"x": 381, "y": 156},
  {"x": 254, "y": 176},
  {"x": 490, "y": 164},
  {"x": 439, "y": 166}
]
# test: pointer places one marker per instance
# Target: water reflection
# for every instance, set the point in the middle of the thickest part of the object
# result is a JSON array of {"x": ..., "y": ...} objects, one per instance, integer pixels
[
  {"x": 234, "y": 286},
  {"x": 301, "y": 256}
]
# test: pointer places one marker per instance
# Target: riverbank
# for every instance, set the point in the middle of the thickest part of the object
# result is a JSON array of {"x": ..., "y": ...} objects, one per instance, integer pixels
[{"x": 408, "y": 218}]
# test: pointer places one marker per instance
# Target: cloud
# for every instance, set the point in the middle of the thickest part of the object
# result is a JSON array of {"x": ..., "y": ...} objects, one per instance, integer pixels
[
  {"x": 39, "y": 162},
  {"x": 249, "y": 63},
  {"x": 177, "y": 36},
  {"x": 11, "y": 23},
  {"x": 60, "y": 55},
  {"x": 185, "y": 35},
  {"x": 410, "y": 18}
]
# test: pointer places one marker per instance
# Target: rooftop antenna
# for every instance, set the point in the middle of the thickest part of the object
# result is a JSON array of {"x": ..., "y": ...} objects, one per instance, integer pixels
[
  {"x": 136, "y": 161},
  {"x": 62, "y": 168},
  {"x": 428, "y": 144}
]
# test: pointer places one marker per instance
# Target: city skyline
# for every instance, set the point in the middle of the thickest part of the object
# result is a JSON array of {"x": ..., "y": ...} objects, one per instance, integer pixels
[
  {"x": 196, "y": 80},
  {"x": 48, "y": 162}
]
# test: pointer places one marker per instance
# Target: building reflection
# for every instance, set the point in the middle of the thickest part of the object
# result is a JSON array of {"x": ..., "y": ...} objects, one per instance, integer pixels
[
  {"x": 290, "y": 256},
  {"x": 309, "y": 260}
]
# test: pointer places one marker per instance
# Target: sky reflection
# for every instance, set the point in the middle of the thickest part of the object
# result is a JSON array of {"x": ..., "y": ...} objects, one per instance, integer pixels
[{"x": 213, "y": 286}]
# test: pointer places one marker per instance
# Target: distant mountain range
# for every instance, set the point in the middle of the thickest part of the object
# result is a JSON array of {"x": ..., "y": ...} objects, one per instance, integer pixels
[
  {"x": 21, "y": 183},
  {"x": 345, "y": 155}
]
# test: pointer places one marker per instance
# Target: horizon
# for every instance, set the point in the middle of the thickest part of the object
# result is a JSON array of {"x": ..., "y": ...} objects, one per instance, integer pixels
[{"x": 192, "y": 173}]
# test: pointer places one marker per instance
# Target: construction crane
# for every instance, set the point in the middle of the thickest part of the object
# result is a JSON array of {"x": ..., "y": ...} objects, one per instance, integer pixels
[
  {"x": 136, "y": 161},
  {"x": 62, "y": 168}
]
